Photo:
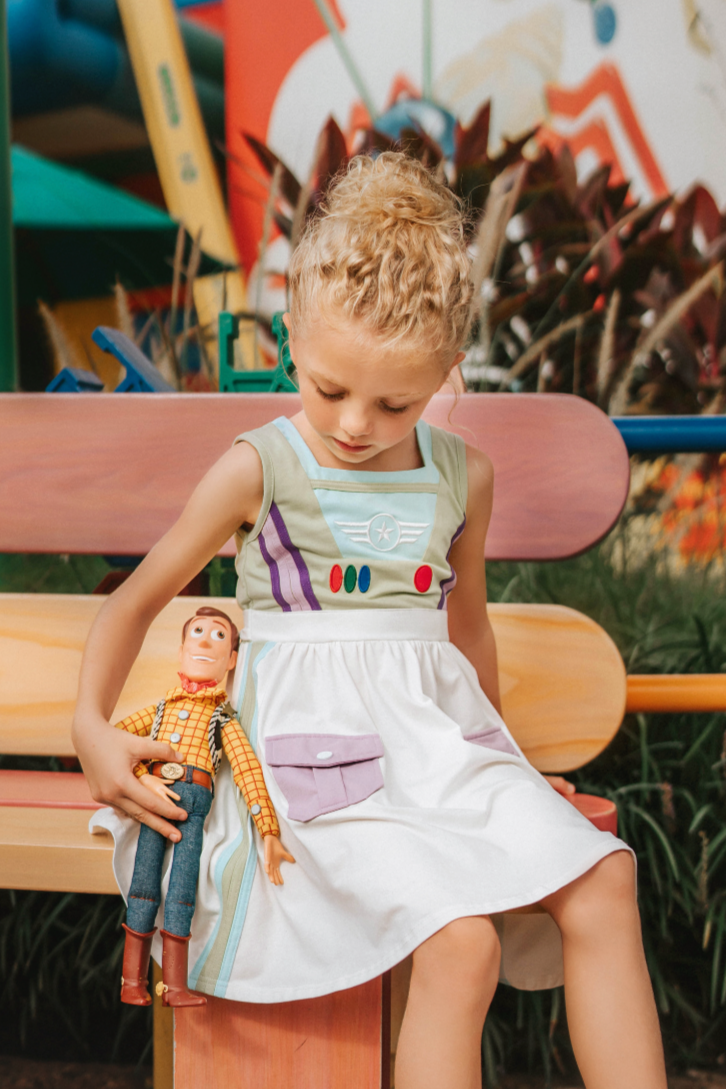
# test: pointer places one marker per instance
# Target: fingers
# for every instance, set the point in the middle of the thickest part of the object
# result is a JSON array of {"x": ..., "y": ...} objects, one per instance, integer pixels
[
  {"x": 286, "y": 855},
  {"x": 562, "y": 786},
  {"x": 144, "y": 749},
  {"x": 143, "y": 799}
]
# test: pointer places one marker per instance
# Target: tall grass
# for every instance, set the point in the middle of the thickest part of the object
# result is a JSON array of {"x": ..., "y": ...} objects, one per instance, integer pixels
[{"x": 60, "y": 954}]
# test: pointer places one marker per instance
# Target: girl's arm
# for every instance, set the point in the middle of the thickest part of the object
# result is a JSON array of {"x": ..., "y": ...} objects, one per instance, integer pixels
[
  {"x": 229, "y": 496},
  {"x": 469, "y": 626}
]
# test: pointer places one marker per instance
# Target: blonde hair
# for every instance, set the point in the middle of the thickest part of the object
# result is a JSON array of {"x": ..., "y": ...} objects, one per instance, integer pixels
[{"x": 387, "y": 250}]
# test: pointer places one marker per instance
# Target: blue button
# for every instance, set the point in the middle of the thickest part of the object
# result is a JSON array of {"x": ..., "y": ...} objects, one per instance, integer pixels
[{"x": 364, "y": 578}]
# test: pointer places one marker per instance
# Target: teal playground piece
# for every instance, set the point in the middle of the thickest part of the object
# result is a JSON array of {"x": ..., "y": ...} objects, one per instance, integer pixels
[{"x": 259, "y": 381}]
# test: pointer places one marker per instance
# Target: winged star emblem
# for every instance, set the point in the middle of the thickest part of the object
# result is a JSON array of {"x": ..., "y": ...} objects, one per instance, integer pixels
[{"x": 383, "y": 532}]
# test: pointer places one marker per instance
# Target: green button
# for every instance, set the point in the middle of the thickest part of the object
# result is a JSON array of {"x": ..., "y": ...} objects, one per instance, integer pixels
[{"x": 351, "y": 577}]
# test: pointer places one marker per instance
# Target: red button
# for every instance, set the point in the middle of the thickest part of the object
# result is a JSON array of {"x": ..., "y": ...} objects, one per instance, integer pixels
[
  {"x": 422, "y": 578},
  {"x": 336, "y": 578}
]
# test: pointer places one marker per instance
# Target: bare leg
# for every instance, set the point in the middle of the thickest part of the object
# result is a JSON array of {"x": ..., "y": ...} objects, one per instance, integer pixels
[
  {"x": 611, "y": 1012},
  {"x": 453, "y": 981}
]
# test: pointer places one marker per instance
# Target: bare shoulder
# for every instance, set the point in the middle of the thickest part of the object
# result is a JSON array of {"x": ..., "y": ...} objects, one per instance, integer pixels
[
  {"x": 480, "y": 473},
  {"x": 234, "y": 484}
]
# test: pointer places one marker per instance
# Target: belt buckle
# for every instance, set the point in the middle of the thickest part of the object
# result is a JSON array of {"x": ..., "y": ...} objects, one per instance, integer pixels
[{"x": 172, "y": 771}]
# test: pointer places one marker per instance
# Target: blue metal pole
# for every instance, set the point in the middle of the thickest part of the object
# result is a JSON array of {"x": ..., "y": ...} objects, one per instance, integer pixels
[{"x": 672, "y": 434}]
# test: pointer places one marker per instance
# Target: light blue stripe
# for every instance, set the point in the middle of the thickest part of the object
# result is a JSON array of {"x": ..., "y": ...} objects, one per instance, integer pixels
[
  {"x": 225, "y": 856},
  {"x": 250, "y": 868},
  {"x": 427, "y": 474}
]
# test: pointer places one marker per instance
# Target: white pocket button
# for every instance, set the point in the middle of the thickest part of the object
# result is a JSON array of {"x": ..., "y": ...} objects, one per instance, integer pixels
[{"x": 325, "y": 755}]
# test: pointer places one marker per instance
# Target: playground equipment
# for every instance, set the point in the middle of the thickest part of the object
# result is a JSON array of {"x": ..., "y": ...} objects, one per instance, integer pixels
[
  {"x": 74, "y": 53},
  {"x": 672, "y": 434},
  {"x": 181, "y": 150},
  {"x": 8, "y": 346}
]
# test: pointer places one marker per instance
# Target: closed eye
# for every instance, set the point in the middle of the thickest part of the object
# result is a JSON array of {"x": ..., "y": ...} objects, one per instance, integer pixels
[
  {"x": 330, "y": 396},
  {"x": 394, "y": 410}
]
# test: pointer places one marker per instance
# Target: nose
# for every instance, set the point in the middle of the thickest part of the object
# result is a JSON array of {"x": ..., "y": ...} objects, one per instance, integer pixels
[{"x": 356, "y": 422}]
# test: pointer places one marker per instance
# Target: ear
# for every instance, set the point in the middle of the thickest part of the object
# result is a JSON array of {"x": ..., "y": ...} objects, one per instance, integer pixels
[
  {"x": 453, "y": 375},
  {"x": 181, "y": 651},
  {"x": 232, "y": 660}
]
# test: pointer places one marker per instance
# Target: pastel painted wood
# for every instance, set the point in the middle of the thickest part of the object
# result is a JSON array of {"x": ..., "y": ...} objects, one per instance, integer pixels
[
  {"x": 336, "y": 1041},
  {"x": 110, "y": 474},
  {"x": 562, "y": 679}
]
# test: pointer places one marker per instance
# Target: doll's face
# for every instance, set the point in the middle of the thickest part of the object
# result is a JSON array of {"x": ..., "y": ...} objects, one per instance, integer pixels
[{"x": 207, "y": 653}]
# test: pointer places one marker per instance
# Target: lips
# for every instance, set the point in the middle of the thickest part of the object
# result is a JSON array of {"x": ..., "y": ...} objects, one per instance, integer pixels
[
  {"x": 201, "y": 658},
  {"x": 350, "y": 448}
]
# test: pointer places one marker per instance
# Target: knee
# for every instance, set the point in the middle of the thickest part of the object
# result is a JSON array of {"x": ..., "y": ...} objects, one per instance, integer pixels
[
  {"x": 463, "y": 956},
  {"x": 603, "y": 898}
]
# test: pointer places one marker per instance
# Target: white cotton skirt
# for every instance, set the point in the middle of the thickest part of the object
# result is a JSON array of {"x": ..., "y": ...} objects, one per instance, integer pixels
[{"x": 401, "y": 794}]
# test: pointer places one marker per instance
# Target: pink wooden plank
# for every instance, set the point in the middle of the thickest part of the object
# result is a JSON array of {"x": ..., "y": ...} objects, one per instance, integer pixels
[
  {"x": 110, "y": 473},
  {"x": 45, "y": 790},
  {"x": 333, "y": 1042}
]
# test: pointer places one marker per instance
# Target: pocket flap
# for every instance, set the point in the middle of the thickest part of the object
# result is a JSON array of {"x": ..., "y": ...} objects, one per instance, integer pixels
[{"x": 321, "y": 750}]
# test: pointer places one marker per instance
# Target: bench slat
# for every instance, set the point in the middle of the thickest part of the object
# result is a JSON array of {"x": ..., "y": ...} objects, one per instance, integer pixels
[
  {"x": 563, "y": 681},
  {"x": 53, "y": 849},
  {"x": 109, "y": 474}
]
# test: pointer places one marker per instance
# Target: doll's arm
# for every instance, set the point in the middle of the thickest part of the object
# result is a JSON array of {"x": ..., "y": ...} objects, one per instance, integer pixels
[
  {"x": 229, "y": 496},
  {"x": 249, "y": 777}
]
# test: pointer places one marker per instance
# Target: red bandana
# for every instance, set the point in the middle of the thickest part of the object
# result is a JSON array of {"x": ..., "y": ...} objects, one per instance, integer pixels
[{"x": 195, "y": 686}]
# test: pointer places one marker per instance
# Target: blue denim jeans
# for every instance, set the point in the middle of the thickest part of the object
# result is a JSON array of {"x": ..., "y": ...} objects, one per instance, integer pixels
[{"x": 145, "y": 891}]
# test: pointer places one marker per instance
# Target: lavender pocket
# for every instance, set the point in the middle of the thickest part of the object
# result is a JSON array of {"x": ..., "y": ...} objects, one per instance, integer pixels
[
  {"x": 319, "y": 773},
  {"x": 493, "y": 738}
]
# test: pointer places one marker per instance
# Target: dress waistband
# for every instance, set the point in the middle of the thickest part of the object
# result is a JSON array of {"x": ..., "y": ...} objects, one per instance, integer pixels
[{"x": 347, "y": 625}]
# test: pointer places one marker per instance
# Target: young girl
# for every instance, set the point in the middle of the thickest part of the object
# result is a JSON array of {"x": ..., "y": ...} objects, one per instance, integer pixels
[{"x": 367, "y": 683}]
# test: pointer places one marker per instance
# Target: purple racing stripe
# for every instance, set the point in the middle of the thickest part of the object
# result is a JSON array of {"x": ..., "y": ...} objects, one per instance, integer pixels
[
  {"x": 448, "y": 584},
  {"x": 289, "y": 576}
]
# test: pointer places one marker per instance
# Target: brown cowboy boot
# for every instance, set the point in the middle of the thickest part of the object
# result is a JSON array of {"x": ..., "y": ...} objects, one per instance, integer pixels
[
  {"x": 174, "y": 990},
  {"x": 135, "y": 971}
]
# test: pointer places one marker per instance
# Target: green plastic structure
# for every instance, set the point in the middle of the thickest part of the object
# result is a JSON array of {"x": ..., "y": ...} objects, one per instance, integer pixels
[{"x": 259, "y": 381}]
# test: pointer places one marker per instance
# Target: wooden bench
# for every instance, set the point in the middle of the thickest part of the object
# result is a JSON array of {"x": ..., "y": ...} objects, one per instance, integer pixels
[{"x": 108, "y": 475}]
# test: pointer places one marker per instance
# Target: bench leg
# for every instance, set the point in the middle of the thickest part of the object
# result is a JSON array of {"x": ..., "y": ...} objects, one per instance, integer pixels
[
  {"x": 163, "y": 1037},
  {"x": 338, "y": 1040}
]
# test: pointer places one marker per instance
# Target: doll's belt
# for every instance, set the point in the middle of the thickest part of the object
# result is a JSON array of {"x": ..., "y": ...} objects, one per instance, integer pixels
[{"x": 179, "y": 772}]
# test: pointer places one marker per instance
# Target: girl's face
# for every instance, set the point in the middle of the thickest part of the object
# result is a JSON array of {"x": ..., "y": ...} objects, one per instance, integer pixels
[{"x": 362, "y": 398}]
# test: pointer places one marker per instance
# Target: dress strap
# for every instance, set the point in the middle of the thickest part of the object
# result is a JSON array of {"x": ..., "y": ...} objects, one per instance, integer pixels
[{"x": 449, "y": 456}]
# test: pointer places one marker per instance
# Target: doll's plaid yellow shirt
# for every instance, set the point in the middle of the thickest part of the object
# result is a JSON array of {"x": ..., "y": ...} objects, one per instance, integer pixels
[{"x": 194, "y": 745}]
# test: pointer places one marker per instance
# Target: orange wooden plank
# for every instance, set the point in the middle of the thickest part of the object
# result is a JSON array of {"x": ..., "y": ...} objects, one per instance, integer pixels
[
  {"x": 109, "y": 474},
  {"x": 676, "y": 692},
  {"x": 52, "y": 849},
  {"x": 561, "y": 676},
  {"x": 331, "y": 1042}
]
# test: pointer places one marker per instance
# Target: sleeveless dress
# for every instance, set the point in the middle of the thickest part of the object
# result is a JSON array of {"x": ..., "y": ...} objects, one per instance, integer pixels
[{"x": 399, "y": 790}]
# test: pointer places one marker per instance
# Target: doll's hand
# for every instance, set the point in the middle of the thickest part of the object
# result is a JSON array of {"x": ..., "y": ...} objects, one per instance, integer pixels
[
  {"x": 562, "y": 786},
  {"x": 158, "y": 786},
  {"x": 109, "y": 757},
  {"x": 275, "y": 853}
]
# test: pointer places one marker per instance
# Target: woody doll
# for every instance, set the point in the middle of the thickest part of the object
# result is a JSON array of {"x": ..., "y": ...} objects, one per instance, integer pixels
[{"x": 196, "y": 719}]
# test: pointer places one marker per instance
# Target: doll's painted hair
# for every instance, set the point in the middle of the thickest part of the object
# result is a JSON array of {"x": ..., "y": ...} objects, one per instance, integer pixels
[
  {"x": 387, "y": 250},
  {"x": 208, "y": 610}
]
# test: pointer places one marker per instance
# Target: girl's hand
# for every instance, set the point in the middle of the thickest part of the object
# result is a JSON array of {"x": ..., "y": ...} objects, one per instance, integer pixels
[
  {"x": 275, "y": 853},
  {"x": 109, "y": 757},
  {"x": 158, "y": 786},
  {"x": 562, "y": 786}
]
